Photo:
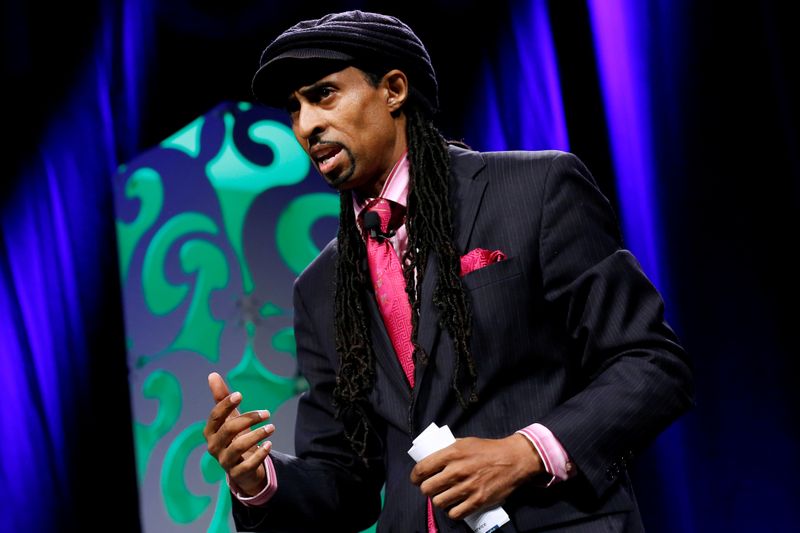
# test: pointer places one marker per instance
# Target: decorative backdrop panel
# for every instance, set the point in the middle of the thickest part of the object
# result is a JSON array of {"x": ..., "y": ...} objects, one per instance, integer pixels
[{"x": 213, "y": 226}]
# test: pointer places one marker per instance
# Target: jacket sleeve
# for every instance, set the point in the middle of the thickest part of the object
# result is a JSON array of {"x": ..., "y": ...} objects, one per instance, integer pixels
[
  {"x": 326, "y": 486},
  {"x": 636, "y": 377}
]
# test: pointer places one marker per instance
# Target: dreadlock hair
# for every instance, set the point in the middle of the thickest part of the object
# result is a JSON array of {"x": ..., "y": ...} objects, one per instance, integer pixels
[{"x": 430, "y": 229}]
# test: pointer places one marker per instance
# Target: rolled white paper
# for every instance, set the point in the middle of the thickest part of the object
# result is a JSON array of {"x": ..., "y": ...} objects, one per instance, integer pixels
[{"x": 435, "y": 438}]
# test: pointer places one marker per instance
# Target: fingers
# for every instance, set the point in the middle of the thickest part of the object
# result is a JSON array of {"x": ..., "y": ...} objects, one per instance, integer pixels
[
  {"x": 451, "y": 489},
  {"x": 253, "y": 462},
  {"x": 437, "y": 461},
  {"x": 465, "y": 477},
  {"x": 231, "y": 441},
  {"x": 237, "y": 424},
  {"x": 430, "y": 466},
  {"x": 223, "y": 410},
  {"x": 462, "y": 498},
  {"x": 450, "y": 497},
  {"x": 439, "y": 482},
  {"x": 226, "y": 404},
  {"x": 221, "y": 436},
  {"x": 466, "y": 508},
  {"x": 244, "y": 447},
  {"x": 218, "y": 387}
]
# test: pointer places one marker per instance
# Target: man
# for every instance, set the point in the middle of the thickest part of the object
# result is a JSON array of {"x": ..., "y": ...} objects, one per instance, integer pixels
[{"x": 519, "y": 322}]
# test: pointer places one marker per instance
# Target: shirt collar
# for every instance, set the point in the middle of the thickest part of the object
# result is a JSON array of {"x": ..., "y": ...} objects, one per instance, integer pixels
[{"x": 395, "y": 188}]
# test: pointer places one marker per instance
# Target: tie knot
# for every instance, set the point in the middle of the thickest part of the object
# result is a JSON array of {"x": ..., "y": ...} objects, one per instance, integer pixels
[{"x": 389, "y": 213}]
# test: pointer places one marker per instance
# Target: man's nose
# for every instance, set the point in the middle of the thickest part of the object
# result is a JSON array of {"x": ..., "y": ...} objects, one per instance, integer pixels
[{"x": 309, "y": 122}]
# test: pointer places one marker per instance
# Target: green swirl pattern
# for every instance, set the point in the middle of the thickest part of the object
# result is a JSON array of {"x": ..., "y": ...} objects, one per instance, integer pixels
[{"x": 192, "y": 290}]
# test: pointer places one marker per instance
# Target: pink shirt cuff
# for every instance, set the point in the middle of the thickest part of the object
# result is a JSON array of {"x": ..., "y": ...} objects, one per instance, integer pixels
[
  {"x": 554, "y": 456},
  {"x": 262, "y": 497}
]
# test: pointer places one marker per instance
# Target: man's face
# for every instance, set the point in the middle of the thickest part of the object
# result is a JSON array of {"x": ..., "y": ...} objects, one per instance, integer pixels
[{"x": 345, "y": 124}]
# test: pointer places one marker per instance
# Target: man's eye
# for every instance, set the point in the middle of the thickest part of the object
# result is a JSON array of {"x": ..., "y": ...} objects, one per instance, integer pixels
[{"x": 325, "y": 92}]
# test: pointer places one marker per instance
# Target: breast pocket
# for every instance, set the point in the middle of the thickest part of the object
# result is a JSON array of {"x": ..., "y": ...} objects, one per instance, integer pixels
[{"x": 491, "y": 274}]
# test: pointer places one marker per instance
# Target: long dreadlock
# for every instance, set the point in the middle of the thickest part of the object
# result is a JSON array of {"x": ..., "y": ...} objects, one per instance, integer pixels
[{"x": 430, "y": 229}]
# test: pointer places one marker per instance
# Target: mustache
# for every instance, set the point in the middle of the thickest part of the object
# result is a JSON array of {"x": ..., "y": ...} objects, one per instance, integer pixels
[{"x": 315, "y": 140}]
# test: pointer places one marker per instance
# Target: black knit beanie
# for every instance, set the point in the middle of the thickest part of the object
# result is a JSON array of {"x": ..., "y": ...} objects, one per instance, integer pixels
[{"x": 313, "y": 49}]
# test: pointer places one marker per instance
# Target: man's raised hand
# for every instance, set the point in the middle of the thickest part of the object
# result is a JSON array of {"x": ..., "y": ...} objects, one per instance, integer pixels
[{"x": 233, "y": 442}]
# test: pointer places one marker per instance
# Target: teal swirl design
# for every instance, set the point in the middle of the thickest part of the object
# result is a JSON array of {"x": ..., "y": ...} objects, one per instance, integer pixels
[
  {"x": 161, "y": 296},
  {"x": 187, "y": 312},
  {"x": 187, "y": 140},
  {"x": 182, "y": 505},
  {"x": 214, "y": 475},
  {"x": 166, "y": 389},
  {"x": 144, "y": 185},
  {"x": 261, "y": 388},
  {"x": 293, "y": 234},
  {"x": 201, "y": 331},
  {"x": 238, "y": 182}
]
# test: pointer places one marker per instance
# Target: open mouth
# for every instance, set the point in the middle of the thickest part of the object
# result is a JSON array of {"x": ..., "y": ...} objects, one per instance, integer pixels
[{"x": 326, "y": 157}]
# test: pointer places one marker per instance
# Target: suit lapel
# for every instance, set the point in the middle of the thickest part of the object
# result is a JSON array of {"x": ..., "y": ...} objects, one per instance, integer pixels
[
  {"x": 428, "y": 317},
  {"x": 466, "y": 192}
]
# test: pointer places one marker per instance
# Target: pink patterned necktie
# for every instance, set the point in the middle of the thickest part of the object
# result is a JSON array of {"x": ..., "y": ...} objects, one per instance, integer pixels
[
  {"x": 390, "y": 293},
  {"x": 390, "y": 285}
]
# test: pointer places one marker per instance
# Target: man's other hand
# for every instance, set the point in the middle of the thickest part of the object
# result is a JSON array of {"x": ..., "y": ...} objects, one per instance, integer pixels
[
  {"x": 232, "y": 441},
  {"x": 475, "y": 474}
]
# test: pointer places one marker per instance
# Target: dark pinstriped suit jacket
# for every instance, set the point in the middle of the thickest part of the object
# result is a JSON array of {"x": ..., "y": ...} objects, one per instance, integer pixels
[{"x": 567, "y": 332}]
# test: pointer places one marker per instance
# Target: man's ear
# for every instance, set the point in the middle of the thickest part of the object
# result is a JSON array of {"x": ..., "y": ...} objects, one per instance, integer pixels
[{"x": 395, "y": 84}]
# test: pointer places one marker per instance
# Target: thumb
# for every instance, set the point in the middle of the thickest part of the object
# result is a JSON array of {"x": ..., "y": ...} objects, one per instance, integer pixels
[{"x": 219, "y": 389}]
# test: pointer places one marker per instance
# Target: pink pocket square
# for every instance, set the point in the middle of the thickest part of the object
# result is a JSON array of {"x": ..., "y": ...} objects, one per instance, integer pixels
[{"x": 479, "y": 258}]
